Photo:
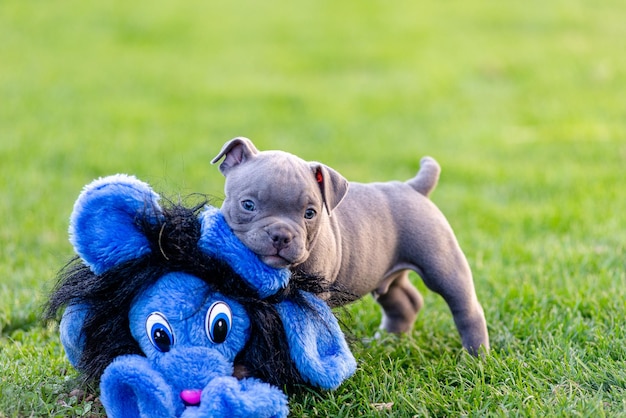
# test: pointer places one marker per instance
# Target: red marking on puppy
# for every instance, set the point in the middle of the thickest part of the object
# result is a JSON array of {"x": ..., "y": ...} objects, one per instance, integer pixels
[{"x": 318, "y": 176}]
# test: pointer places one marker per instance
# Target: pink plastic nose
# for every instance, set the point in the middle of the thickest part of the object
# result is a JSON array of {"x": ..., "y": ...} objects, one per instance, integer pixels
[{"x": 191, "y": 396}]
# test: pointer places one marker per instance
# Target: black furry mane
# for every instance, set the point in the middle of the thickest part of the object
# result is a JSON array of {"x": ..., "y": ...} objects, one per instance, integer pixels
[{"x": 174, "y": 240}]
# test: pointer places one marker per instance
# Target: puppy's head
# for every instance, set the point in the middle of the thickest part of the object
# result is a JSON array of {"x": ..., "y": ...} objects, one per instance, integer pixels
[{"x": 276, "y": 202}]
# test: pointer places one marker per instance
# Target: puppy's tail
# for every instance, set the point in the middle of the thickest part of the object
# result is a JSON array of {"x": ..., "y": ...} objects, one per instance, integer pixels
[{"x": 427, "y": 177}]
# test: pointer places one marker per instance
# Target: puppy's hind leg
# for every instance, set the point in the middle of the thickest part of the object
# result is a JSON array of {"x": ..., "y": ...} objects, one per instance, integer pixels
[
  {"x": 452, "y": 279},
  {"x": 400, "y": 301}
]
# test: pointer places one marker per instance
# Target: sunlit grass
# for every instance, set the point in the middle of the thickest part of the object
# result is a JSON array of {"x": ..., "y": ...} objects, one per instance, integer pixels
[{"x": 522, "y": 105}]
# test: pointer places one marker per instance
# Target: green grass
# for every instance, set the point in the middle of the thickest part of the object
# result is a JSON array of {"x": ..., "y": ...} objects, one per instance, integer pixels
[{"x": 521, "y": 103}]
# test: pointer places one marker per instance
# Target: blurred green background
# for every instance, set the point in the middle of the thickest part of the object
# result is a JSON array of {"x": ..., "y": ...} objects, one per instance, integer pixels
[{"x": 522, "y": 103}]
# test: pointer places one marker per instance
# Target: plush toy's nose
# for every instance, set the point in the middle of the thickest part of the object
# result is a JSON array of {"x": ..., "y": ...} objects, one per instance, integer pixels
[{"x": 191, "y": 396}]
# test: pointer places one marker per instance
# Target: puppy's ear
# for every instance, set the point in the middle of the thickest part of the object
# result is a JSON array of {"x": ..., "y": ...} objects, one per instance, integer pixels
[
  {"x": 236, "y": 151},
  {"x": 332, "y": 185}
]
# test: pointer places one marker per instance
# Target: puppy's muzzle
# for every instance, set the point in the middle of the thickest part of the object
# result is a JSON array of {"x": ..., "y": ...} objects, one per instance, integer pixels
[{"x": 281, "y": 236}]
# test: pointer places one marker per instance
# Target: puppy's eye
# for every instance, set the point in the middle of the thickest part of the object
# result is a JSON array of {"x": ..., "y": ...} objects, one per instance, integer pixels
[
  {"x": 309, "y": 213},
  {"x": 248, "y": 205}
]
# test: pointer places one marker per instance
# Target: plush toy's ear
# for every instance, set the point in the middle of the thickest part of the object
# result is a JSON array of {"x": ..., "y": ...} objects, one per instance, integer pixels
[
  {"x": 316, "y": 343},
  {"x": 103, "y": 226},
  {"x": 219, "y": 241},
  {"x": 236, "y": 151},
  {"x": 71, "y": 333},
  {"x": 333, "y": 185}
]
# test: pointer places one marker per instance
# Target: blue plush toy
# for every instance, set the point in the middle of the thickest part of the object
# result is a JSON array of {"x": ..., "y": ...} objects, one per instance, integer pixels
[{"x": 177, "y": 318}]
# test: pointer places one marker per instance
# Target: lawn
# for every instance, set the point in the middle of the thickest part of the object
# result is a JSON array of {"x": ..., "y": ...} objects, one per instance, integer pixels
[{"x": 522, "y": 103}]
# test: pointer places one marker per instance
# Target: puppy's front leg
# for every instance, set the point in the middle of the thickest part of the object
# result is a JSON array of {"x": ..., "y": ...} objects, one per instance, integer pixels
[{"x": 401, "y": 303}]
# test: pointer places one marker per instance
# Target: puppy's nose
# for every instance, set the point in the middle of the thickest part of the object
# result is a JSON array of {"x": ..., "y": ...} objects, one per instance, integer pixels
[{"x": 281, "y": 238}]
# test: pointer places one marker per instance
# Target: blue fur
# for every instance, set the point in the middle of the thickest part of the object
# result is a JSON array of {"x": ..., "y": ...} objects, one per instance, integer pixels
[
  {"x": 131, "y": 387},
  {"x": 102, "y": 226},
  {"x": 322, "y": 359},
  {"x": 104, "y": 231},
  {"x": 184, "y": 300},
  {"x": 136, "y": 386},
  {"x": 219, "y": 241},
  {"x": 70, "y": 330}
]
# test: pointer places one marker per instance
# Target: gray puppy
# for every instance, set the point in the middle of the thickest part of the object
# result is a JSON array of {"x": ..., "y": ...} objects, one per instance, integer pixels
[{"x": 288, "y": 212}]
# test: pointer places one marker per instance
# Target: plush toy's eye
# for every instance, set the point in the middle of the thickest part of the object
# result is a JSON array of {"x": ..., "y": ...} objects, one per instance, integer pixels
[
  {"x": 218, "y": 322},
  {"x": 248, "y": 205},
  {"x": 309, "y": 213},
  {"x": 159, "y": 332}
]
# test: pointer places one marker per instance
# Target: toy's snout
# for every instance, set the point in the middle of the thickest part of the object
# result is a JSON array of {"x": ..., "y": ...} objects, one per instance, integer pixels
[
  {"x": 191, "y": 397},
  {"x": 190, "y": 369}
]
